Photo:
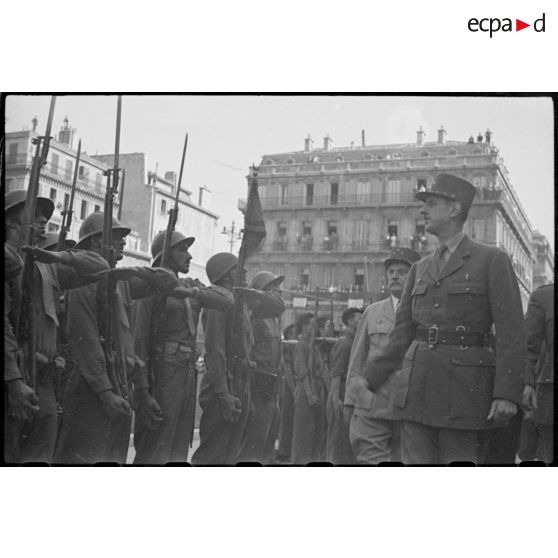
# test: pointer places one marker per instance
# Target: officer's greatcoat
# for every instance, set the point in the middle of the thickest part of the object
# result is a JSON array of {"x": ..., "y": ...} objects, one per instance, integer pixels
[{"x": 450, "y": 385}]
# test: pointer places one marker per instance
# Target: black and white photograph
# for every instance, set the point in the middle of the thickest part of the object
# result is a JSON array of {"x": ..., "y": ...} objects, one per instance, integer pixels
[{"x": 278, "y": 280}]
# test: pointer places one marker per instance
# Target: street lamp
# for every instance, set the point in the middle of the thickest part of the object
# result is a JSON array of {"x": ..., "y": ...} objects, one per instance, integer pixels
[{"x": 233, "y": 234}]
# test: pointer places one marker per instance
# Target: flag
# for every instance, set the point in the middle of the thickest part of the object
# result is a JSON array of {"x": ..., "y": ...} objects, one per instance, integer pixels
[{"x": 254, "y": 226}]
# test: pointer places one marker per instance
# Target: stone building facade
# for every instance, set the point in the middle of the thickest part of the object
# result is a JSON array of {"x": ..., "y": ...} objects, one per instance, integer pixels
[
  {"x": 543, "y": 270},
  {"x": 332, "y": 214}
]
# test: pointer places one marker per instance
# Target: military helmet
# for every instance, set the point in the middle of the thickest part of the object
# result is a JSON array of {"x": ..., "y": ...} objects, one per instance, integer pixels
[
  {"x": 264, "y": 279},
  {"x": 18, "y": 197},
  {"x": 219, "y": 265},
  {"x": 93, "y": 224},
  {"x": 158, "y": 242},
  {"x": 51, "y": 239}
]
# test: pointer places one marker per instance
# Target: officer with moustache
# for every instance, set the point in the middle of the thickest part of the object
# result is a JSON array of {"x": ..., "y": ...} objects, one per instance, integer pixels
[{"x": 453, "y": 386}]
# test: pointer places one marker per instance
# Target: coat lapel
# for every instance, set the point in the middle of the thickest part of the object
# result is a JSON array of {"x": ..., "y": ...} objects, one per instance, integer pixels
[
  {"x": 388, "y": 313},
  {"x": 457, "y": 258}
]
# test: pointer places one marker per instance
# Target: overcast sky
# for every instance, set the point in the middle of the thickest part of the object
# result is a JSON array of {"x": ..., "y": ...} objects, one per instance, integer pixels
[{"x": 228, "y": 133}]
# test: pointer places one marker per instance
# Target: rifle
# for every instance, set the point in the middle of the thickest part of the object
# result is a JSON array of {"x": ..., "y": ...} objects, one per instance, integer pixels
[
  {"x": 115, "y": 373},
  {"x": 161, "y": 301},
  {"x": 68, "y": 212},
  {"x": 313, "y": 341},
  {"x": 27, "y": 326}
]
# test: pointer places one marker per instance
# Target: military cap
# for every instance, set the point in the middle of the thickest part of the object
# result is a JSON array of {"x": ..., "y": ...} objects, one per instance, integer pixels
[
  {"x": 451, "y": 188},
  {"x": 404, "y": 255},
  {"x": 18, "y": 197},
  {"x": 158, "y": 242},
  {"x": 93, "y": 224},
  {"x": 265, "y": 279},
  {"x": 51, "y": 240}
]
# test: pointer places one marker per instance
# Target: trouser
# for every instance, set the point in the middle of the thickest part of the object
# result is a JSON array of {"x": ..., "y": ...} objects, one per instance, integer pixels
[
  {"x": 261, "y": 430},
  {"x": 287, "y": 419},
  {"x": 220, "y": 440},
  {"x": 338, "y": 446},
  {"x": 88, "y": 435},
  {"x": 537, "y": 442},
  {"x": 374, "y": 440},
  {"x": 309, "y": 427},
  {"x": 175, "y": 392},
  {"x": 502, "y": 444},
  {"x": 422, "y": 444},
  {"x": 33, "y": 441}
]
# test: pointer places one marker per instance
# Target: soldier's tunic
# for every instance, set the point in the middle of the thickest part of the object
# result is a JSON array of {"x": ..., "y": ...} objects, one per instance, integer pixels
[
  {"x": 338, "y": 447},
  {"x": 287, "y": 403},
  {"x": 261, "y": 431},
  {"x": 38, "y": 436},
  {"x": 372, "y": 426},
  {"x": 89, "y": 434},
  {"x": 309, "y": 428},
  {"x": 539, "y": 325},
  {"x": 173, "y": 370},
  {"x": 446, "y": 389}
]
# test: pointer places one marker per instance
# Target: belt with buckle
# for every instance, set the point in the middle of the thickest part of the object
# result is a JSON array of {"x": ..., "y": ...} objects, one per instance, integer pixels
[{"x": 459, "y": 336}]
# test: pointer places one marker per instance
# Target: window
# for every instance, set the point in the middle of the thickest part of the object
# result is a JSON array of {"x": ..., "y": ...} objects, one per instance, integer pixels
[
  {"x": 66, "y": 201},
  {"x": 363, "y": 188},
  {"x": 307, "y": 229},
  {"x": 452, "y": 152},
  {"x": 97, "y": 208},
  {"x": 284, "y": 193},
  {"x": 69, "y": 168},
  {"x": 309, "y": 194},
  {"x": 52, "y": 194},
  {"x": 281, "y": 229},
  {"x": 305, "y": 277},
  {"x": 12, "y": 153},
  {"x": 421, "y": 184},
  {"x": 360, "y": 237},
  {"x": 83, "y": 213},
  {"x": 333, "y": 193},
  {"x": 392, "y": 228},
  {"x": 98, "y": 179},
  {"x": 479, "y": 181},
  {"x": 359, "y": 278},
  {"x": 54, "y": 163},
  {"x": 393, "y": 190},
  {"x": 163, "y": 207},
  {"x": 81, "y": 171},
  {"x": 478, "y": 230}
]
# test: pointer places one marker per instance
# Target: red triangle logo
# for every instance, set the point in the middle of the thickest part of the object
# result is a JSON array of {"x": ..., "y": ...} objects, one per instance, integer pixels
[{"x": 519, "y": 25}]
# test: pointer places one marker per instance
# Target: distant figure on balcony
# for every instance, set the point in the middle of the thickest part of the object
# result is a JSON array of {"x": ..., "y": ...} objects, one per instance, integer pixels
[{"x": 393, "y": 241}]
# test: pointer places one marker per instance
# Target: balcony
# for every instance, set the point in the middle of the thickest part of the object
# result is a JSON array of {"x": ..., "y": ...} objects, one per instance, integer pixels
[
  {"x": 305, "y": 242},
  {"x": 330, "y": 243},
  {"x": 281, "y": 244},
  {"x": 347, "y": 200}
]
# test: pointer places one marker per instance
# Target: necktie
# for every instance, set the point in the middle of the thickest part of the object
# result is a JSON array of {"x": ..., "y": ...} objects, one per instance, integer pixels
[
  {"x": 397, "y": 301},
  {"x": 440, "y": 258}
]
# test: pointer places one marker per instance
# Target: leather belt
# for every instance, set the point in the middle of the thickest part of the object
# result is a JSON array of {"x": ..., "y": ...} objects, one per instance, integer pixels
[{"x": 459, "y": 336}]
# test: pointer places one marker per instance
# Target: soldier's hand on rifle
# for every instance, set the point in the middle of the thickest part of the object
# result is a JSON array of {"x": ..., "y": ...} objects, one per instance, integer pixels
[
  {"x": 148, "y": 408},
  {"x": 529, "y": 398},
  {"x": 114, "y": 405},
  {"x": 22, "y": 401},
  {"x": 313, "y": 400},
  {"x": 231, "y": 407},
  {"x": 45, "y": 256},
  {"x": 502, "y": 410}
]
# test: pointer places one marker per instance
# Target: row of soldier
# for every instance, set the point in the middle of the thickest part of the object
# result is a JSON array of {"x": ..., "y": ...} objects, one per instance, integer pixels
[{"x": 435, "y": 373}]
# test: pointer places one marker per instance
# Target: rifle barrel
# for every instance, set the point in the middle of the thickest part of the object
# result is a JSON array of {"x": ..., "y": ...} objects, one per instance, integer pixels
[
  {"x": 68, "y": 211},
  {"x": 46, "y": 142}
]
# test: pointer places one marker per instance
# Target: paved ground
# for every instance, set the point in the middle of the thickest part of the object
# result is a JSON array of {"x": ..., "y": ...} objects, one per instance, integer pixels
[{"x": 132, "y": 451}]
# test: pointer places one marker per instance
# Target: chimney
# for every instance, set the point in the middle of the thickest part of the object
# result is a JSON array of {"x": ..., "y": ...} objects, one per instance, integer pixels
[
  {"x": 34, "y": 122},
  {"x": 170, "y": 176},
  {"x": 480, "y": 137},
  {"x": 308, "y": 143},
  {"x": 363, "y": 139},
  {"x": 327, "y": 142},
  {"x": 66, "y": 134},
  {"x": 441, "y": 135},
  {"x": 488, "y": 136},
  {"x": 420, "y": 135}
]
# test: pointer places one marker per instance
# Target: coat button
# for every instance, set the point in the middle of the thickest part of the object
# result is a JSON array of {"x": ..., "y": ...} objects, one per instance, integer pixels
[
  {"x": 437, "y": 284},
  {"x": 436, "y": 305}
]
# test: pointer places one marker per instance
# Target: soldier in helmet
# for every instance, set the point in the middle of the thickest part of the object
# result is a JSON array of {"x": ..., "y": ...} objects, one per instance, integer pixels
[
  {"x": 97, "y": 413},
  {"x": 225, "y": 401},
  {"x": 53, "y": 272},
  {"x": 165, "y": 338},
  {"x": 261, "y": 432}
]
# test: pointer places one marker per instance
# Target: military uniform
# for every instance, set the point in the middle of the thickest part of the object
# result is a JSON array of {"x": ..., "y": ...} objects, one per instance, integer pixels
[
  {"x": 287, "y": 403},
  {"x": 539, "y": 325},
  {"x": 450, "y": 375},
  {"x": 173, "y": 370},
  {"x": 338, "y": 448},
  {"x": 309, "y": 426}
]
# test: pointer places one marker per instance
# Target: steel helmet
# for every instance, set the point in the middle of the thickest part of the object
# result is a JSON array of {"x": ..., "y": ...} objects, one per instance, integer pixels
[
  {"x": 158, "y": 242},
  {"x": 51, "y": 239},
  {"x": 264, "y": 279},
  {"x": 18, "y": 197},
  {"x": 93, "y": 224},
  {"x": 219, "y": 265}
]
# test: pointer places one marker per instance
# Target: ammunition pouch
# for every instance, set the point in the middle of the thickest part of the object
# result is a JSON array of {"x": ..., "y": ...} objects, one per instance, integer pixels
[
  {"x": 175, "y": 352},
  {"x": 266, "y": 384}
]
